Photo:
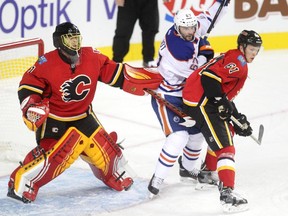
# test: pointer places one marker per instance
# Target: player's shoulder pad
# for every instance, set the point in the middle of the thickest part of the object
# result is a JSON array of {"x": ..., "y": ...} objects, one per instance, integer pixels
[
  {"x": 49, "y": 56},
  {"x": 236, "y": 56},
  {"x": 180, "y": 49},
  {"x": 89, "y": 50}
]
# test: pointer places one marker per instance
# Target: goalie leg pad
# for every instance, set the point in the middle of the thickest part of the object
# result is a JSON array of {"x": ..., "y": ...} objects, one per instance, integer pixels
[
  {"x": 45, "y": 166},
  {"x": 104, "y": 155}
]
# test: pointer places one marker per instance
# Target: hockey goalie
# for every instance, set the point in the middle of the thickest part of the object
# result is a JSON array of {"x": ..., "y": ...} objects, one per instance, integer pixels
[{"x": 55, "y": 96}]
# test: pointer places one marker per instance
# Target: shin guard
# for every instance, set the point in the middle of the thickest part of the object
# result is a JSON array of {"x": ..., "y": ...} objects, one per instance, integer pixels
[
  {"x": 226, "y": 166},
  {"x": 211, "y": 160}
]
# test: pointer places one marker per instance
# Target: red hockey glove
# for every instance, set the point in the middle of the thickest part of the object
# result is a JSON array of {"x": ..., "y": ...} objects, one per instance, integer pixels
[
  {"x": 246, "y": 130},
  {"x": 34, "y": 113},
  {"x": 224, "y": 107}
]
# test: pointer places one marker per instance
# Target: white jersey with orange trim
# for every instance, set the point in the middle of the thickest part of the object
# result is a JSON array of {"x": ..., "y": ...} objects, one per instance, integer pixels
[{"x": 178, "y": 58}]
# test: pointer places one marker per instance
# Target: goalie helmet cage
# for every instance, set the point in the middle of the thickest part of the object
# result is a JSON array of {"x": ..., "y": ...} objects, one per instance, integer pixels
[{"x": 15, "y": 58}]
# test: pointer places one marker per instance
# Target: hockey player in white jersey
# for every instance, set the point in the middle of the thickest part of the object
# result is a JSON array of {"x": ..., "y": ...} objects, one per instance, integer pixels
[{"x": 182, "y": 51}]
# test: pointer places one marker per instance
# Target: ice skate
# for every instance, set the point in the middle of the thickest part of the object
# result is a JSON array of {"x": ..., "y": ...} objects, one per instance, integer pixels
[
  {"x": 27, "y": 197},
  {"x": 154, "y": 186},
  {"x": 185, "y": 175},
  {"x": 207, "y": 179},
  {"x": 232, "y": 202}
]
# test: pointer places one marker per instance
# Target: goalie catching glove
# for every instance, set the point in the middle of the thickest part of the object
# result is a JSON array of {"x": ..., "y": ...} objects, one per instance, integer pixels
[
  {"x": 246, "y": 130},
  {"x": 35, "y": 111}
]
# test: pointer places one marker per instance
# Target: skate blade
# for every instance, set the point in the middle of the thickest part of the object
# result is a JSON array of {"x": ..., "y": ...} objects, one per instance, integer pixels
[
  {"x": 151, "y": 195},
  {"x": 187, "y": 180},
  {"x": 204, "y": 186},
  {"x": 228, "y": 208}
]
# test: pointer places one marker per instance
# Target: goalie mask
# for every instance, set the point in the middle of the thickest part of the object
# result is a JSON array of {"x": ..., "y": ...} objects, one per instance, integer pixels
[
  {"x": 67, "y": 39},
  {"x": 185, "y": 18}
]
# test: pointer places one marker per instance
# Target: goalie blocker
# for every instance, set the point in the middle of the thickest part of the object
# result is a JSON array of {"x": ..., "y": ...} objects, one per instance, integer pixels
[
  {"x": 138, "y": 79},
  {"x": 42, "y": 165}
]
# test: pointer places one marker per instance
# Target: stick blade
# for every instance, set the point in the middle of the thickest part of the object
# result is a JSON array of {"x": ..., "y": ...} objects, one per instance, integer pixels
[{"x": 261, "y": 133}]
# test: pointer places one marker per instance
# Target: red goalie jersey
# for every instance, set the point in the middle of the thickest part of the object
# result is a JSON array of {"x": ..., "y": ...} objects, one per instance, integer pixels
[
  {"x": 70, "y": 90},
  {"x": 230, "y": 69}
]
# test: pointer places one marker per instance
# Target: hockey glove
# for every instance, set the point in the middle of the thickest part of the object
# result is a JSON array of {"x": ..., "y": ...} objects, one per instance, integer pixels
[
  {"x": 224, "y": 107},
  {"x": 246, "y": 130},
  {"x": 34, "y": 114},
  {"x": 188, "y": 122},
  {"x": 226, "y": 3},
  {"x": 206, "y": 52}
]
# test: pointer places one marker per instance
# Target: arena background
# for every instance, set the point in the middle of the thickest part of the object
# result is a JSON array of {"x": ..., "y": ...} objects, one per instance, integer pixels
[{"x": 97, "y": 20}]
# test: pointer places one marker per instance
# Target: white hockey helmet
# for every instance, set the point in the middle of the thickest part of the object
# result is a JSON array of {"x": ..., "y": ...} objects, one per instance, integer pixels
[{"x": 185, "y": 18}]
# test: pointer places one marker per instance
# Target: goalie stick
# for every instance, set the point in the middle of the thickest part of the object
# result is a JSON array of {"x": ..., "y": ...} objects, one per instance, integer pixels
[{"x": 261, "y": 131}]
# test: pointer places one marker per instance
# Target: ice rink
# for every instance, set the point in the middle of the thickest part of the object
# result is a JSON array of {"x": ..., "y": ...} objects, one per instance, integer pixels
[{"x": 262, "y": 171}]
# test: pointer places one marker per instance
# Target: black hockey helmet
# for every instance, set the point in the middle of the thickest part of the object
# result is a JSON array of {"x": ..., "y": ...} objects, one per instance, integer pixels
[
  {"x": 67, "y": 38},
  {"x": 249, "y": 37}
]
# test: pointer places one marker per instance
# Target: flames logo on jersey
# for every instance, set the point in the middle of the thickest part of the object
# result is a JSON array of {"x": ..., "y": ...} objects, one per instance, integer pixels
[{"x": 75, "y": 89}]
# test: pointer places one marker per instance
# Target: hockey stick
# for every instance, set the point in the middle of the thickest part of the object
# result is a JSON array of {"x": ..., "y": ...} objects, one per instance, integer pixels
[
  {"x": 214, "y": 19},
  {"x": 261, "y": 130},
  {"x": 186, "y": 117},
  {"x": 189, "y": 122},
  {"x": 166, "y": 103}
]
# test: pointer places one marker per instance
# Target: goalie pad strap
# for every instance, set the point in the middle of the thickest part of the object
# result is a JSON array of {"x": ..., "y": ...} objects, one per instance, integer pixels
[
  {"x": 138, "y": 79},
  {"x": 48, "y": 165}
]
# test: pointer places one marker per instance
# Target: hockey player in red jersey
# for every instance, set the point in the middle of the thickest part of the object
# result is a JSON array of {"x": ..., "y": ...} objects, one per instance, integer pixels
[
  {"x": 208, "y": 97},
  {"x": 55, "y": 96}
]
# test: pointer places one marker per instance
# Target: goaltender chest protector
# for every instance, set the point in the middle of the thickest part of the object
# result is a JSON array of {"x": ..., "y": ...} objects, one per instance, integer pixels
[{"x": 70, "y": 91}]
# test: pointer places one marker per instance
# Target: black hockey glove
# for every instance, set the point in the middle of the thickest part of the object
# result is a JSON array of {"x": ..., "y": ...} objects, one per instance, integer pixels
[
  {"x": 246, "y": 130},
  {"x": 226, "y": 3},
  {"x": 224, "y": 107}
]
